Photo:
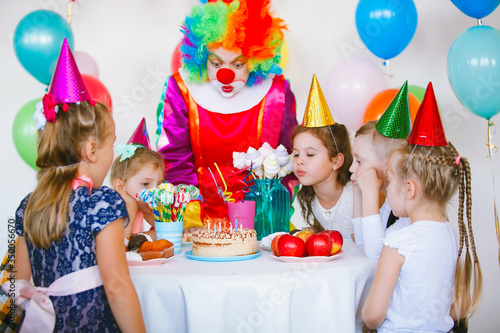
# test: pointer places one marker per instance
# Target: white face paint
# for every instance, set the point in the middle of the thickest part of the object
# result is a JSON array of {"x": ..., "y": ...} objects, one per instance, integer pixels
[{"x": 235, "y": 61}]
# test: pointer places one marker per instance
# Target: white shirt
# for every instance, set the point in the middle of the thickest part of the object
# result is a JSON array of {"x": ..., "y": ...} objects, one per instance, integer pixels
[
  {"x": 423, "y": 295},
  {"x": 370, "y": 231},
  {"x": 336, "y": 218}
]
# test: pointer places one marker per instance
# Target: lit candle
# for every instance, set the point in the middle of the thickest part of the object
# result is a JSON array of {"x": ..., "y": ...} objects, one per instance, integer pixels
[
  {"x": 235, "y": 225},
  {"x": 220, "y": 227},
  {"x": 215, "y": 229}
]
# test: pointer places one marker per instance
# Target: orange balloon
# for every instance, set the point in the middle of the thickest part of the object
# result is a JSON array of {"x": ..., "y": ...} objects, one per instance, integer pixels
[{"x": 381, "y": 101}]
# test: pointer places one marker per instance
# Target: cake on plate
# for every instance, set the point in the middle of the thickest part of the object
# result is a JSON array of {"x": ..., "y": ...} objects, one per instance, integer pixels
[{"x": 207, "y": 243}]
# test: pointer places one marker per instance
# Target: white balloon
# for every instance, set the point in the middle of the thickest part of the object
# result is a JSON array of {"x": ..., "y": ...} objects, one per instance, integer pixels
[
  {"x": 86, "y": 64},
  {"x": 351, "y": 85}
]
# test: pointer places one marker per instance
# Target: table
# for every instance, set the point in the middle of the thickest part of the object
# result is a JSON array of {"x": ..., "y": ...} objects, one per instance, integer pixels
[{"x": 257, "y": 295}]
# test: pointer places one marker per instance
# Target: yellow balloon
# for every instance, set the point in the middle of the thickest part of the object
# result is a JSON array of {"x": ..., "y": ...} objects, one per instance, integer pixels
[{"x": 284, "y": 55}]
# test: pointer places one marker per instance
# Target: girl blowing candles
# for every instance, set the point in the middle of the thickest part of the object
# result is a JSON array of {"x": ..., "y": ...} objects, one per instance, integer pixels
[
  {"x": 71, "y": 227},
  {"x": 418, "y": 266},
  {"x": 321, "y": 160}
]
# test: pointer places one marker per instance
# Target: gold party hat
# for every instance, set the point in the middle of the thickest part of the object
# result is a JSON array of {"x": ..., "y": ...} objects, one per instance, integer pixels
[{"x": 317, "y": 113}]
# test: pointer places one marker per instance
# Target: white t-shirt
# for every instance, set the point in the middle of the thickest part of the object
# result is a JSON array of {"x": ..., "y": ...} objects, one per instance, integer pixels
[
  {"x": 336, "y": 218},
  {"x": 423, "y": 295},
  {"x": 370, "y": 231}
]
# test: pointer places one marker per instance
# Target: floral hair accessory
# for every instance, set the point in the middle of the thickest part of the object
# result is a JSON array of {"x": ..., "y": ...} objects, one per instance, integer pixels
[{"x": 127, "y": 150}]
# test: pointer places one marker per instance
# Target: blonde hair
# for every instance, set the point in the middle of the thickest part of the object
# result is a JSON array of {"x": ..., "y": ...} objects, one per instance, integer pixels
[
  {"x": 382, "y": 145},
  {"x": 340, "y": 145},
  {"x": 441, "y": 171},
  {"x": 129, "y": 167},
  {"x": 59, "y": 153}
]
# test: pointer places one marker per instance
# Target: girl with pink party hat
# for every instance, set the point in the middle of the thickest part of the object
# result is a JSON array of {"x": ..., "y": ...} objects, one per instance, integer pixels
[
  {"x": 71, "y": 227},
  {"x": 137, "y": 168},
  {"x": 423, "y": 277}
]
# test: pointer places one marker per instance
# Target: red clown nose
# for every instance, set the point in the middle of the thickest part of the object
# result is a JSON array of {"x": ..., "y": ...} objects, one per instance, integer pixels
[{"x": 225, "y": 75}]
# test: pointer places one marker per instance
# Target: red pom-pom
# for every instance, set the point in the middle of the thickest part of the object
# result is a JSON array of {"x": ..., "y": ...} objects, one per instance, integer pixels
[{"x": 225, "y": 75}]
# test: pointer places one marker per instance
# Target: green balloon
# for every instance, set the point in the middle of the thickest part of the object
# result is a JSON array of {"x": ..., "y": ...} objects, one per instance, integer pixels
[
  {"x": 25, "y": 134},
  {"x": 417, "y": 91}
]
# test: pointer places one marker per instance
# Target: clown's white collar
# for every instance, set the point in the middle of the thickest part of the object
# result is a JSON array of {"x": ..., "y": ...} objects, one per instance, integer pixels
[{"x": 210, "y": 99}]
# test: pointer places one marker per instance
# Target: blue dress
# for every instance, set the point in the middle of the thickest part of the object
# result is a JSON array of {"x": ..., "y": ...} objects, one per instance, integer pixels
[{"x": 88, "y": 311}]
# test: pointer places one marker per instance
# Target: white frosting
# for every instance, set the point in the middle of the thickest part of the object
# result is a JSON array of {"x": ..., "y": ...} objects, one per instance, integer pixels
[{"x": 133, "y": 256}]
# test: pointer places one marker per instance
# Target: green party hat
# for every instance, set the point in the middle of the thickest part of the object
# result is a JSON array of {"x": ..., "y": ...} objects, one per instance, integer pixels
[{"x": 395, "y": 122}]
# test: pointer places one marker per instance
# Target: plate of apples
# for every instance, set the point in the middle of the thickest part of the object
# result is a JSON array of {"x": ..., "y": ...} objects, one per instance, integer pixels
[{"x": 308, "y": 246}]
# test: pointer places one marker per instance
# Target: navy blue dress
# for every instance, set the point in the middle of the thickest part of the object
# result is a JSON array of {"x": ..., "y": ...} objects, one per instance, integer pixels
[{"x": 87, "y": 311}]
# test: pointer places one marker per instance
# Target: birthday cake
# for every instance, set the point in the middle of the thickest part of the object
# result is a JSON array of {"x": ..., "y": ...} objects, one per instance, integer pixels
[{"x": 207, "y": 243}]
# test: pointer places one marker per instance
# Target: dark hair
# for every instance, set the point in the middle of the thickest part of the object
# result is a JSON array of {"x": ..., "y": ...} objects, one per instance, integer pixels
[{"x": 340, "y": 145}]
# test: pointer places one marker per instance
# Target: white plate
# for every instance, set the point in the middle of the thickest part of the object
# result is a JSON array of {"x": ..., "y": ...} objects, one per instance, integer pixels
[
  {"x": 267, "y": 248},
  {"x": 189, "y": 254},
  {"x": 309, "y": 258},
  {"x": 148, "y": 263}
]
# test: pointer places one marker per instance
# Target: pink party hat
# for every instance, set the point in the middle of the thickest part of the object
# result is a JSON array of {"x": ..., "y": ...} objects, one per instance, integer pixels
[
  {"x": 428, "y": 129},
  {"x": 67, "y": 85},
  {"x": 140, "y": 135}
]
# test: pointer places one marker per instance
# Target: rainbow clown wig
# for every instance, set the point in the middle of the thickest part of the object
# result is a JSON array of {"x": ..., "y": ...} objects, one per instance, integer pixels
[{"x": 241, "y": 24}]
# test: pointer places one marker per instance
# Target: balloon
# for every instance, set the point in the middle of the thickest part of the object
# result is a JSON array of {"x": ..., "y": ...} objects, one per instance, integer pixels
[
  {"x": 474, "y": 70},
  {"x": 386, "y": 26},
  {"x": 351, "y": 85},
  {"x": 417, "y": 91},
  {"x": 25, "y": 134},
  {"x": 97, "y": 90},
  {"x": 86, "y": 64},
  {"x": 175, "y": 62},
  {"x": 382, "y": 100},
  {"x": 37, "y": 42},
  {"x": 477, "y": 8}
]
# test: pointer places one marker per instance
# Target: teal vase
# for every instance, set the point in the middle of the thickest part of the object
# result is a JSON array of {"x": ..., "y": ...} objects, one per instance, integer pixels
[{"x": 272, "y": 207}]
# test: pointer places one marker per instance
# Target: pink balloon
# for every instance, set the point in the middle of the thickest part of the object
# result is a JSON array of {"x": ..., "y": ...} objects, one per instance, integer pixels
[
  {"x": 351, "y": 85},
  {"x": 86, "y": 64},
  {"x": 175, "y": 62}
]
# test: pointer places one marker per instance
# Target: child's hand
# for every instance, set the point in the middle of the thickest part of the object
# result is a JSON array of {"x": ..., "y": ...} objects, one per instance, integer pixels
[
  {"x": 130, "y": 202},
  {"x": 368, "y": 181}
]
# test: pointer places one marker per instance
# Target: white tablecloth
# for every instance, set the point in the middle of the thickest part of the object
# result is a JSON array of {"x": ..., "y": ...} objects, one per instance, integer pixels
[{"x": 257, "y": 295}]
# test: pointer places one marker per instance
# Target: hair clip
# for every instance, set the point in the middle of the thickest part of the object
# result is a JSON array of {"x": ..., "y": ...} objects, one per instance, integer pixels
[{"x": 127, "y": 150}]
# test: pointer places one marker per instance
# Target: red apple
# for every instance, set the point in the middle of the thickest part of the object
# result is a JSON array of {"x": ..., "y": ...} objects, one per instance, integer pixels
[
  {"x": 291, "y": 246},
  {"x": 337, "y": 240},
  {"x": 274, "y": 245},
  {"x": 319, "y": 245}
]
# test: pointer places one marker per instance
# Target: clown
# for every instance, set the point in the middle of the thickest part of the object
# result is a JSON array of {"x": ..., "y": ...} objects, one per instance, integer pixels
[{"x": 228, "y": 96}]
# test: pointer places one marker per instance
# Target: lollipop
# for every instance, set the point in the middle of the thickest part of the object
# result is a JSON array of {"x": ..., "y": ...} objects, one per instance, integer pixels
[
  {"x": 271, "y": 166},
  {"x": 282, "y": 155}
]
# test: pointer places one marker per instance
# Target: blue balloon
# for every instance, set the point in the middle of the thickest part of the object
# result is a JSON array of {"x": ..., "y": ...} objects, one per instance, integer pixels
[
  {"x": 386, "y": 26},
  {"x": 477, "y": 8},
  {"x": 37, "y": 41},
  {"x": 474, "y": 70}
]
